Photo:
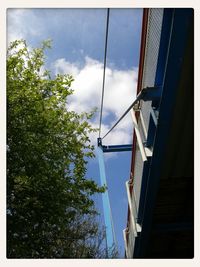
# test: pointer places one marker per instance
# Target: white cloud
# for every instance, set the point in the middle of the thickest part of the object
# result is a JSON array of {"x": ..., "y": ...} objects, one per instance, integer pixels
[
  {"x": 61, "y": 66},
  {"x": 120, "y": 85},
  {"x": 120, "y": 91},
  {"x": 22, "y": 23}
]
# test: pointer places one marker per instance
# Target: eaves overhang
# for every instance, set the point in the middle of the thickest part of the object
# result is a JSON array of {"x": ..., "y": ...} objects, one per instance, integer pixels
[{"x": 177, "y": 57}]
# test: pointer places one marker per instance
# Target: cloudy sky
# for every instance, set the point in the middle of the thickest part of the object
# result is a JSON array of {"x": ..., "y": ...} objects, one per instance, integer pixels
[{"x": 78, "y": 40}]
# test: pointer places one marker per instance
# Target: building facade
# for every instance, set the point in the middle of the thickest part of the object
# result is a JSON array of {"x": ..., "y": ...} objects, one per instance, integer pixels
[{"x": 160, "y": 222}]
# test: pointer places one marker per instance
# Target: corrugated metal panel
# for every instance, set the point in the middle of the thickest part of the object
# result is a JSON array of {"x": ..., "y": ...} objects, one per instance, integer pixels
[
  {"x": 136, "y": 188},
  {"x": 149, "y": 73},
  {"x": 152, "y": 46},
  {"x": 167, "y": 204},
  {"x": 131, "y": 240},
  {"x": 151, "y": 56}
]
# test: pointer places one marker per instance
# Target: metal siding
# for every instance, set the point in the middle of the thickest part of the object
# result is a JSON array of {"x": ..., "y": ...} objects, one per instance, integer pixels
[
  {"x": 151, "y": 56},
  {"x": 152, "y": 46},
  {"x": 136, "y": 191},
  {"x": 149, "y": 73},
  {"x": 131, "y": 241},
  {"x": 178, "y": 41}
]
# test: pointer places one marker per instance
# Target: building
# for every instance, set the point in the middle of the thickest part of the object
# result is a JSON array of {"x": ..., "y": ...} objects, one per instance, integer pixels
[{"x": 160, "y": 221}]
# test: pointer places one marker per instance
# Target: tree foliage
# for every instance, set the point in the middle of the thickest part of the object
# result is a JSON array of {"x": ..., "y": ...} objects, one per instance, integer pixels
[{"x": 49, "y": 204}]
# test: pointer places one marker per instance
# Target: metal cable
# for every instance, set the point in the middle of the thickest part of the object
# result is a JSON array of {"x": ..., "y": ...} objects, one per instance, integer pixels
[
  {"x": 146, "y": 94},
  {"x": 104, "y": 70},
  {"x": 126, "y": 112}
]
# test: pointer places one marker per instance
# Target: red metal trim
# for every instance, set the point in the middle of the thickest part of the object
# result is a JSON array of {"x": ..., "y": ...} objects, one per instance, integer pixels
[
  {"x": 139, "y": 88},
  {"x": 140, "y": 74}
]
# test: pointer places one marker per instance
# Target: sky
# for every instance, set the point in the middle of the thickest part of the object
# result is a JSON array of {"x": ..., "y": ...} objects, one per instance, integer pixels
[{"x": 78, "y": 40}]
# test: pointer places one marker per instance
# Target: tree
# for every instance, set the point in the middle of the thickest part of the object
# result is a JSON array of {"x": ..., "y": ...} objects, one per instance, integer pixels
[
  {"x": 88, "y": 240},
  {"x": 49, "y": 199}
]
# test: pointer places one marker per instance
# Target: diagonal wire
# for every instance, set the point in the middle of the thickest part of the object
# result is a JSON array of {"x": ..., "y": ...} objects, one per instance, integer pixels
[
  {"x": 125, "y": 113},
  {"x": 145, "y": 94},
  {"x": 104, "y": 70}
]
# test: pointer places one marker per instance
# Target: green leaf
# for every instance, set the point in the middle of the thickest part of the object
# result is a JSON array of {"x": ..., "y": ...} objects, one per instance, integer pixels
[{"x": 49, "y": 199}]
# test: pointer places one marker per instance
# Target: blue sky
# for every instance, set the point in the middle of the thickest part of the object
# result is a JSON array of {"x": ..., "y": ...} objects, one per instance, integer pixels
[{"x": 78, "y": 37}]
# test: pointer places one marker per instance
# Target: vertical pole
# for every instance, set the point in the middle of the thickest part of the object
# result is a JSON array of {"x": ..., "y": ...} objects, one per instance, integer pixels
[{"x": 106, "y": 201}]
